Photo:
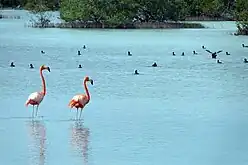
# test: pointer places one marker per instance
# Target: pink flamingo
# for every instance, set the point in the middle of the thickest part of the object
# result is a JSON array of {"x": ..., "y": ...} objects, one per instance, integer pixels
[
  {"x": 80, "y": 100},
  {"x": 36, "y": 97}
]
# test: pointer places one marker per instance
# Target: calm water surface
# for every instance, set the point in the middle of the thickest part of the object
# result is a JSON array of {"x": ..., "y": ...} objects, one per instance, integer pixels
[{"x": 189, "y": 110}]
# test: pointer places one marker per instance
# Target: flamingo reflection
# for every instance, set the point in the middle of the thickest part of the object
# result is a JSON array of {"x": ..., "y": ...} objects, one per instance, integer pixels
[
  {"x": 37, "y": 131},
  {"x": 80, "y": 139}
]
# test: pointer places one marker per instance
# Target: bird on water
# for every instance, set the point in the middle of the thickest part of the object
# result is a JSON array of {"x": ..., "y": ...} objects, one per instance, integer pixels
[
  {"x": 81, "y": 100},
  {"x": 12, "y": 64},
  {"x": 244, "y": 46},
  {"x": 214, "y": 54},
  {"x": 37, "y": 97}
]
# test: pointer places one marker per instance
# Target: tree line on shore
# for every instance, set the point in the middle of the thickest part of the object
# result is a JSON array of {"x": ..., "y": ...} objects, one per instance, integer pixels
[{"x": 115, "y": 12}]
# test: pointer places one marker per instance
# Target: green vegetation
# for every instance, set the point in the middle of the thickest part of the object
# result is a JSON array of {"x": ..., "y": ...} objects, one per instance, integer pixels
[
  {"x": 41, "y": 5},
  {"x": 12, "y": 3},
  {"x": 242, "y": 16},
  {"x": 39, "y": 10},
  {"x": 122, "y": 11},
  {"x": 125, "y": 13},
  {"x": 51, "y": 4}
]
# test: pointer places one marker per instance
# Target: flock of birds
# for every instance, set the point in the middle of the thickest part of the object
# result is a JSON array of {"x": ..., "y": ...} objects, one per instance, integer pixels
[
  {"x": 81, "y": 100},
  {"x": 213, "y": 54}
]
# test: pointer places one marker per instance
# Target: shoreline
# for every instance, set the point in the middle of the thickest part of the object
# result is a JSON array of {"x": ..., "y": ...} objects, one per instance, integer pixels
[
  {"x": 137, "y": 25},
  {"x": 188, "y": 23}
]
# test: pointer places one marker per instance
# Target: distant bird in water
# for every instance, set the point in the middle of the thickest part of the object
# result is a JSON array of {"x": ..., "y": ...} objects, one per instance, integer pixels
[
  {"x": 79, "y": 66},
  {"x": 80, "y": 100},
  {"x": 129, "y": 53},
  {"x": 214, "y": 54},
  {"x": 219, "y": 62},
  {"x": 154, "y": 64},
  {"x": 136, "y": 72},
  {"x": 79, "y": 53},
  {"x": 183, "y": 54},
  {"x": 194, "y": 52},
  {"x": 203, "y": 47},
  {"x": 12, "y": 64},
  {"x": 245, "y": 60},
  {"x": 84, "y": 47},
  {"x": 31, "y": 66},
  {"x": 227, "y": 53},
  {"x": 42, "y": 52},
  {"x": 244, "y": 46},
  {"x": 173, "y": 53},
  {"x": 37, "y": 97}
]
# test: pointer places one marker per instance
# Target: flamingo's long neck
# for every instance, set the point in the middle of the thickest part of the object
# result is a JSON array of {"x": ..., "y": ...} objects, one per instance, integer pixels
[
  {"x": 43, "y": 82},
  {"x": 86, "y": 90}
]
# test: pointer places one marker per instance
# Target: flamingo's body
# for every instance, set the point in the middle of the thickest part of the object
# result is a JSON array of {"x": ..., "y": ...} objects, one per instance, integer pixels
[
  {"x": 37, "y": 97},
  {"x": 80, "y": 100}
]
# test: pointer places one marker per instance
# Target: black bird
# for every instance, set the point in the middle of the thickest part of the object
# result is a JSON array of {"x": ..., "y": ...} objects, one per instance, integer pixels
[
  {"x": 219, "y": 62},
  {"x": 136, "y": 72},
  {"x": 84, "y": 47},
  {"x": 227, "y": 53},
  {"x": 79, "y": 53},
  {"x": 203, "y": 47},
  {"x": 244, "y": 46},
  {"x": 173, "y": 53},
  {"x": 42, "y": 52},
  {"x": 12, "y": 64},
  {"x": 80, "y": 66},
  {"x": 245, "y": 60},
  {"x": 129, "y": 53},
  {"x": 214, "y": 54},
  {"x": 154, "y": 64},
  {"x": 31, "y": 66},
  {"x": 194, "y": 52},
  {"x": 183, "y": 54}
]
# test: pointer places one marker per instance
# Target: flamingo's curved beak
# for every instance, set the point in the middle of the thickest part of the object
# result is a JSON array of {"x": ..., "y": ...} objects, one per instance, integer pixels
[
  {"x": 48, "y": 69},
  {"x": 91, "y": 81}
]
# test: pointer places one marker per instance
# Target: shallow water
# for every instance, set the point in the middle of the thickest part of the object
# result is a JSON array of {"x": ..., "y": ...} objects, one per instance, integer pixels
[{"x": 189, "y": 110}]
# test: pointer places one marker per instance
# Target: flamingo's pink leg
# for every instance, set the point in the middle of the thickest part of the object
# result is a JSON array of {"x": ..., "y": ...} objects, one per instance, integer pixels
[
  {"x": 80, "y": 113},
  {"x": 37, "y": 110},
  {"x": 33, "y": 112}
]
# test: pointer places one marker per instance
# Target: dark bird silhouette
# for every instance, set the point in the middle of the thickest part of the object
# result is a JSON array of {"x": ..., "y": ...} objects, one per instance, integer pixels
[
  {"x": 129, "y": 53},
  {"x": 173, "y": 53},
  {"x": 194, "y": 52},
  {"x": 183, "y": 54},
  {"x": 214, "y": 54},
  {"x": 219, "y": 62},
  {"x": 245, "y": 60},
  {"x": 84, "y": 47},
  {"x": 12, "y": 64},
  {"x": 154, "y": 64},
  {"x": 80, "y": 66},
  {"x": 31, "y": 66},
  {"x": 227, "y": 53},
  {"x": 203, "y": 47},
  {"x": 244, "y": 46},
  {"x": 136, "y": 72},
  {"x": 42, "y": 52},
  {"x": 79, "y": 53}
]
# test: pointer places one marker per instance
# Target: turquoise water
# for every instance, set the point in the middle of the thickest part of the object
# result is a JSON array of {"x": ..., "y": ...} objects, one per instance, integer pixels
[{"x": 188, "y": 110}]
